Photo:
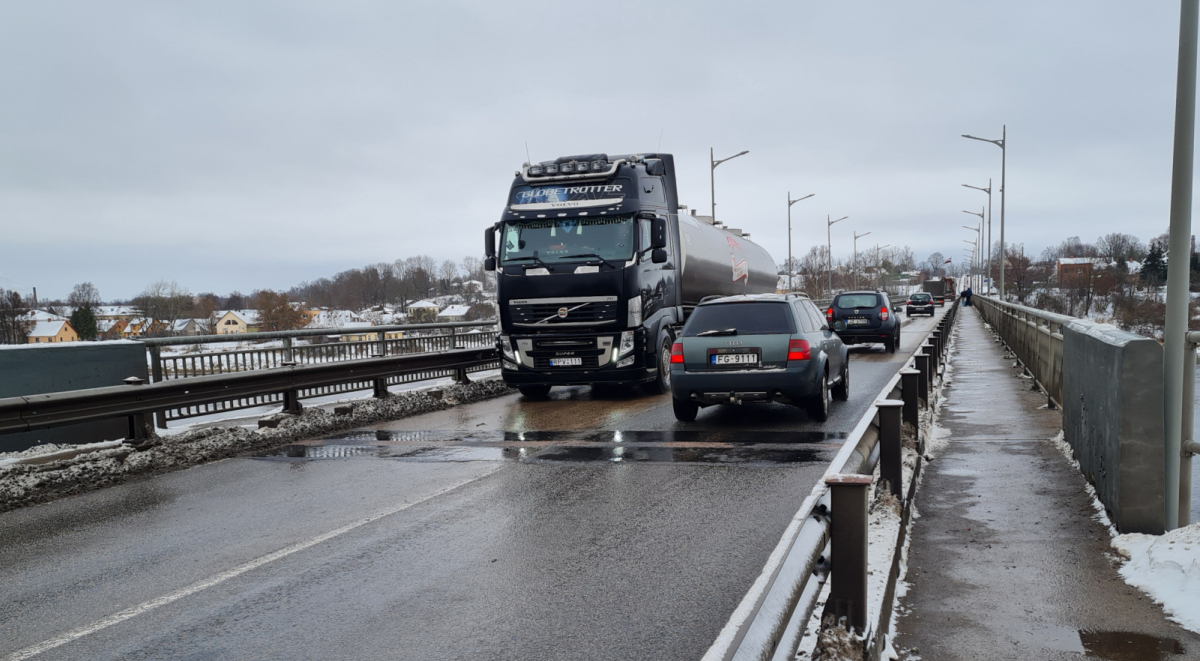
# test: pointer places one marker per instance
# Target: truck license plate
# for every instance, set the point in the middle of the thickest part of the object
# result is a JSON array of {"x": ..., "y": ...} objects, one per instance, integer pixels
[
  {"x": 856, "y": 321},
  {"x": 565, "y": 362},
  {"x": 735, "y": 359}
]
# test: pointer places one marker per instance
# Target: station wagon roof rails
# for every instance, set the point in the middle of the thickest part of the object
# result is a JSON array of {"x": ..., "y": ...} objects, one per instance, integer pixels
[{"x": 712, "y": 297}]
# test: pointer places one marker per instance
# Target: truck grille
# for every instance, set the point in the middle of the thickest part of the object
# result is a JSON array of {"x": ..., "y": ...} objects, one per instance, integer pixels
[{"x": 549, "y": 314}]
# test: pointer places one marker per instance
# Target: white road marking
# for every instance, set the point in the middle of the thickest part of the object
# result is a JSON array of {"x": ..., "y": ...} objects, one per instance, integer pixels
[{"x": 148, "y": 606}]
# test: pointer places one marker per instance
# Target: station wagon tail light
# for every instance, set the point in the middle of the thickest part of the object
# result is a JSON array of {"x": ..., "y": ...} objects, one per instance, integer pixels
[
  {"x": 829, "y": 314},
  {"x": 677, "y": 352},
  {"x": 883, "y": 313},
  {"x": 798, "y": 350}
]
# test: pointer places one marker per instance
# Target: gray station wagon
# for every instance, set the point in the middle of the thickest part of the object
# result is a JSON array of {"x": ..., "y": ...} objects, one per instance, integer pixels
[{"x": 762, "y": 348}]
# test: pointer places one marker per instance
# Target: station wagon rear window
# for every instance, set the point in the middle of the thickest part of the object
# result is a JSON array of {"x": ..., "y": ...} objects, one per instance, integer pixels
[
  {"x": 745, "y": 318},
  {"x": 857, "y": 301}
]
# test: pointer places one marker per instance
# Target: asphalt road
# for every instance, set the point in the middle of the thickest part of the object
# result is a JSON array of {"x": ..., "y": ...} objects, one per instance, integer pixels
[{"x": 592, "y": 525}]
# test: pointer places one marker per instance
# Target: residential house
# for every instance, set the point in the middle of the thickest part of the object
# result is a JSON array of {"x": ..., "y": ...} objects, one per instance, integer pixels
[
  {"x": 332, "y": 319},
  {"x": 1073, "y": 271},
  {"x": 142, "y": 327},
  {"x": 52, "y": 331},
  {"x": 233, "y": 322},
  {"x": 360, "y": 332},
  {"x": 454, "y": 313},
  {"x": 422, "y": 312},
  {"x": 124, "y": 312},
  {"x": 111, "y": 329},
  {"x": 34, "y": 316},
  {"x": 186, "y": 327}
]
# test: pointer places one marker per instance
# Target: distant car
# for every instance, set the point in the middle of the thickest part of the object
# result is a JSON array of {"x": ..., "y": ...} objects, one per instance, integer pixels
[
  {"x": 919, "y": 303},
  {"x": 761, "y": 348},
  {"x": 864, "y": 317}
]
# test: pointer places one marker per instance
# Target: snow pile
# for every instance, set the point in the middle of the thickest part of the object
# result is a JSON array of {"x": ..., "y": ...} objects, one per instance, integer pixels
[
  {"x": 24, "y": 484},
  {"x": 838, "y": 643},
  {"x": 1167, "y": 567}
]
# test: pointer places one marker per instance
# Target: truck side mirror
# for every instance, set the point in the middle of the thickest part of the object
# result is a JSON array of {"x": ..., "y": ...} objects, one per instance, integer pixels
[
  {"x": 489, "y": 264},
  {"x": 655, "y": 167},
  {"x": 658, "y": 256},
  {"x": 658, "y": 234},
  {"x": 489, "y": 243}
]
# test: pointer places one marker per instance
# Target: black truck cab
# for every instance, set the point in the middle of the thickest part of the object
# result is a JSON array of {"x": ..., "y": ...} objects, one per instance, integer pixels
[{"x": 586, "y": 254}]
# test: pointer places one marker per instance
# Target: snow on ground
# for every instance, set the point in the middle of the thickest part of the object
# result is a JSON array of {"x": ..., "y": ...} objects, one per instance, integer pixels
[{"x": 1166, "y": 567}]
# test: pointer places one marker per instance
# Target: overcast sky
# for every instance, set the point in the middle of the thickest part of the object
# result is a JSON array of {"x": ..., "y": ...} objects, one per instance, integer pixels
[{"x": 247, "y": 145}]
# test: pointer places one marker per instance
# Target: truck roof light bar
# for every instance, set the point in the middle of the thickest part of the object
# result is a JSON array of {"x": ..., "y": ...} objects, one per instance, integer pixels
[{"x": 570, "y": 171}]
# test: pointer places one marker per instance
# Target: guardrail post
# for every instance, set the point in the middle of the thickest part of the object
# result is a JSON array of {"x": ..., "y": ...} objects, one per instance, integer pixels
[
  {"x": 156, "y": 373},
  {"x": 921, "y": 359},
  {"x": 909, "y": 387},
  {"x": 381, "y": 388},
  {"x": 891, "y": 465},
  {"x": 287, "y": 350},
  {"x": 848, "y": 542},
  {"x": 137, "y": 421},
  {"x": 382, "y": 343},
  {"x": 931, "y": 351},
  {"x": 291, "y": 402}
]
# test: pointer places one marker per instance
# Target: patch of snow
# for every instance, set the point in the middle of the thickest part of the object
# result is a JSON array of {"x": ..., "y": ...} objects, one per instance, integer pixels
[
  {"x": 1101, "y": 515},
  {"x": 1166, "y": 567}
]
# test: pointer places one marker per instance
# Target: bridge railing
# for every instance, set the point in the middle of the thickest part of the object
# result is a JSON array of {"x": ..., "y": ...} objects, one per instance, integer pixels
[
  {"x": 770, "y": 620},
  {"x": 1035, "y": 336},
  {"x": 284, "y": 350}
]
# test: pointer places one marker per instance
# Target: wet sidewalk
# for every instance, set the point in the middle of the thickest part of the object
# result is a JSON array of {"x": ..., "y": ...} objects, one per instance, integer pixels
[{"x": 1007, "y": 559}]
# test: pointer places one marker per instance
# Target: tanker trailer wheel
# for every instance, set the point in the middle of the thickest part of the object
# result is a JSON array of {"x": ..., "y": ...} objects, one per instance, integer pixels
[
  {"x": 662, "y": 383},
  {"x": 534, "y": 392}
]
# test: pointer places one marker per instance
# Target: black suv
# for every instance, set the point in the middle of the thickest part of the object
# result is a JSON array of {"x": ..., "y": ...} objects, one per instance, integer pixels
[{"x": 865, "y": 317}]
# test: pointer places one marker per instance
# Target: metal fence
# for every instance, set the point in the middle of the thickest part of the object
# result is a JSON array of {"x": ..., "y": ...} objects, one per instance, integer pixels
[
  {"x": 1035, "y": 336},
  {"x": 392, "y": 340}
]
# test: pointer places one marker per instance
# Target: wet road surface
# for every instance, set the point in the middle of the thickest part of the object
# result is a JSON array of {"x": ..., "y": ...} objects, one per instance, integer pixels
[{"x": 588, "y": 526}]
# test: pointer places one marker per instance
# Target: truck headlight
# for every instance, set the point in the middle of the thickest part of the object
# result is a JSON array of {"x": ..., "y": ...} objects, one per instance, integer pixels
[
  {"x": 626, "y": 346},
  {"x": 506, "y": 348},
  {"x": 625, "y": 363},
  {"x": 634, "y": 318},
  {"x": 507, "y": 365}
]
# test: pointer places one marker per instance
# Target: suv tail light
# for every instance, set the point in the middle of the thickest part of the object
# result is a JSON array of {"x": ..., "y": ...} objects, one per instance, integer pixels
[
  {"x": 677, "y": 352},
  {"x": 798, "y": 350},
  {"x": 883, "y": 313}
]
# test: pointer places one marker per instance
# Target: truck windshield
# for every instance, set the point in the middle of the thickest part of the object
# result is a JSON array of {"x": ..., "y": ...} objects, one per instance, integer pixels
[
  {"x": 744, "y": 318},
  {"x": 568, "y": 240}
]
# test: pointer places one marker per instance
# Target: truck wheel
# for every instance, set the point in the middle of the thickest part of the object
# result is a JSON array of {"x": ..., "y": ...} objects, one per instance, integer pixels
[
  {"x": 534, "y": 392},
  {"x": 685, "y": 411},
  {"x": 841, "y": 391},
  {"x": 818, "y": 407},
  {"x": 662, "y": 383}
]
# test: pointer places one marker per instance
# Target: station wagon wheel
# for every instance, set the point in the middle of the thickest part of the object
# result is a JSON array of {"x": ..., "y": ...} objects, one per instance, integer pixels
[
  {"x": 841, "y": 391},
  {"x": 818, "y": 407}
]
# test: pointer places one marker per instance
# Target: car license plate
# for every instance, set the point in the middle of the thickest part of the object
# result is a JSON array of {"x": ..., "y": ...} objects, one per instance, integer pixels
[
  {"x": 856, "y": 321},
  {"x": 565, "y": 362},
  {"x": 735, "y": 359}
]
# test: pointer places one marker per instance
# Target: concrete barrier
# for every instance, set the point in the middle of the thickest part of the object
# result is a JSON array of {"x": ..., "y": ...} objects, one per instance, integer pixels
[
  {"x": 1112, "y": 384},
  {"x": 42, "y": 368}
]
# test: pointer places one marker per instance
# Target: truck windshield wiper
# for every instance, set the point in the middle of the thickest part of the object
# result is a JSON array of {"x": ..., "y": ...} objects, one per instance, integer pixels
[
  {"x": 590, "y": 254},
  {"x": 710, "y": 333},
  {"x": 533, "y": 257}
]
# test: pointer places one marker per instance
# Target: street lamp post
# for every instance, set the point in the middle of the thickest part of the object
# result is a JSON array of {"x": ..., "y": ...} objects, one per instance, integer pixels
[
  {"x": 857, "y": 236},
  {"x": 980, "y": 214},
  {"x": 988, "y": 242},
  {"x": 877, "y": 260},
  {"x": 1002, "y": 143},
  {"x": 791, "y": 266},
  {"x": 975, "y": 256},
  {"x": 712, "y": 185},
  {"x": 829, "y": 247}
]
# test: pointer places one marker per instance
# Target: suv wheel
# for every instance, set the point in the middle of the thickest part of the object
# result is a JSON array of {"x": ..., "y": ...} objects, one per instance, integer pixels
[
  {"x": 818, "y": 407},
  {"x": 894, "y": 343},
  {"x": 685, "y": 411},
  {"x": 534, "y": 392},
  {"x": 841, "y": 391}
]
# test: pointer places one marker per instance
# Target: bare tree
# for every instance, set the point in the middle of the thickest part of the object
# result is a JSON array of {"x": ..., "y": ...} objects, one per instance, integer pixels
[
  {"x": 13, "y": 329},
  {"x": 276, "y": 312},
  {"x": 162, "y": 303},
  {"x": 84, "y": 295}
]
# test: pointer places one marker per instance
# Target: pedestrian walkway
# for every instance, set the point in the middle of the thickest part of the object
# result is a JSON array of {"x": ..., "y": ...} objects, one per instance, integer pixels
[{"x": 1007, "y": 560}]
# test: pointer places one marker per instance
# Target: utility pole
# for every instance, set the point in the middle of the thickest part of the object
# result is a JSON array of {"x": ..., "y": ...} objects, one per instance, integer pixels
[
  {"x": 829, "y": 247},
  {"x": 712, "y": 182},
  {"x": 1178, "y": 266},
  {"x": 791, "y": 265}
]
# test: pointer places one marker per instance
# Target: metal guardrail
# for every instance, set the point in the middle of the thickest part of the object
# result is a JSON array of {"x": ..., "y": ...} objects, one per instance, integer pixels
[
  {"x": 770, "y": 620},
  {"x": 137, "y": 402},
  {"x": 427, "y": 338},
  {"x": 1035, "y": 336}
]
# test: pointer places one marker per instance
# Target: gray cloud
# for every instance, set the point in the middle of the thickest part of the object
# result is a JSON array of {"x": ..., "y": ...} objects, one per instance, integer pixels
[{"x": 244, "y": 145}]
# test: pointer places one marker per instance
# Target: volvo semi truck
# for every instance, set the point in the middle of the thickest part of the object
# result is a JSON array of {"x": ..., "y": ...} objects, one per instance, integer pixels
[{"x": 597, "y": 268}]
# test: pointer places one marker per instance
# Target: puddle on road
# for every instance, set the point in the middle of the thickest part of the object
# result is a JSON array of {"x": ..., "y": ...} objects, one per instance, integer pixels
[
  {"x": 752, "y": 448},
  {"x": 1128, "y": 646}
]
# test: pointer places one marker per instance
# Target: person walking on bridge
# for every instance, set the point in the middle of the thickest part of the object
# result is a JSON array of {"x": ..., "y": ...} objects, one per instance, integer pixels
[{"x": 967, "y": 293}]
